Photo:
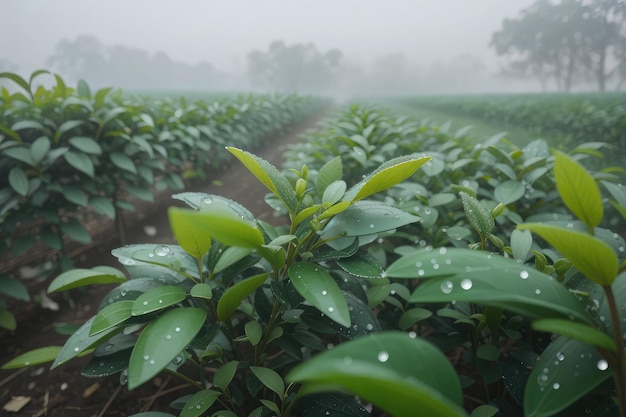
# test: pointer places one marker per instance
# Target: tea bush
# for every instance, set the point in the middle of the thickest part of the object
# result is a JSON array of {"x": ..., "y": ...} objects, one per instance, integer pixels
[
  {"x": 405, "y": 250},
  {"x": 67, "y": 154}
]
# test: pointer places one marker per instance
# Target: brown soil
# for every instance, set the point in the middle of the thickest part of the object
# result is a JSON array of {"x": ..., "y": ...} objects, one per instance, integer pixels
[{"x": 63, "y": 391}]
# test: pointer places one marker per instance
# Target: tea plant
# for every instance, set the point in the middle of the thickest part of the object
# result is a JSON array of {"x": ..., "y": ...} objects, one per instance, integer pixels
[
  {"x": 241, "y": 300},
  {"x": 69, "y": 155}
]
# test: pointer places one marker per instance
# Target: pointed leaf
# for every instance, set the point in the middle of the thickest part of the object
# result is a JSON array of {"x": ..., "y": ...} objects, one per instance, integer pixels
[
  {"x": 330, "y": 172},
  {"x": 234, "y": 295},
  {"x": 577, "y": 331},
  {"x": 508, "y": 192},
  {"x": 381, "y": 368},
  {"x": 80, "y": 161},
  {"x": 111, "y": 316},
  {"x": 225, "y": 226},
  {"x": 202, "y": 290},
  {"x": 73, "y": 229},
  {"x": 464, "y": 275},
  {"x": 80, "y": 277},
  {"x": 361, "y": 265},
  {"x": 194, "y": 240},
  {"x": 80, "y": 342},
  {"x": 578, "y": 189},
  {"x": 103, "y": 205},
  {"x": 478, "y": 216},
  {"x": 270, "y": 379},
  {"x": 33, "y": 357},
  {"x": 86, "y": 145},
  {"x": 157, "y": 299},
  {"x": 161, "y": 341},
  {"x": 225, "y": 374},
  {"x": 39, "y": 149},
  {"x": 200, "y": 402},
  {"x": 269, "y": 176},
  {"x": 591, "y": 256},
  {"x": 123, "y": 162},
  {"x": 366, "y": 218},
  {"x": 18, "y": 181},
  {"x": 566, "y": 371},
  {"x": 320, "y": 289}
]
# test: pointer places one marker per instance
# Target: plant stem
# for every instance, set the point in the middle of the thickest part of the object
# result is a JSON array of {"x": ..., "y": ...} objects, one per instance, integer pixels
[{"x": 619, "y": 373}]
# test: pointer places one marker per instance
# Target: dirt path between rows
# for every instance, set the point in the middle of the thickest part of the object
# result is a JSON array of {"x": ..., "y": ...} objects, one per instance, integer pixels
[{"x": 63, "y": 392}]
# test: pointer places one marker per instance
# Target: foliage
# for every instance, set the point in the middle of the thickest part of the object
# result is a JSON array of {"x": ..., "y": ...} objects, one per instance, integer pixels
[
  {"x": 406, "y": 246},
  {"x": 568, "y": 41},
  {"x": 70, "y": 154}
]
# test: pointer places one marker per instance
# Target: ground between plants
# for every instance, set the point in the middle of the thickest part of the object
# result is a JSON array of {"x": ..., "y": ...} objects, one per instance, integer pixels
[{"x": 63, "y": 391}]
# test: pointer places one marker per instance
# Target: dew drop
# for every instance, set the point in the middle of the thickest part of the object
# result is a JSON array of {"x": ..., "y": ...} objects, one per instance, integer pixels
[
  {"x": 602, "y": 365},
  {"x": 168, "y": 337},
  {"x": 371, "y": 226},
  {"x": 162, "y": 250},
  {"x": 412, "y": 335},
  {"x": 146, "y": 357},
  {"x": 556, "y": 385},
  {"x": 420, "y": 272},
  {"x": 151, "y": 255},
  {"x": 523, "y": 275},
  {"x": 369, "y": 327},
  {"x": 466, "y": 284},
  {"x": 177, "y": 329},
  {"x": 123, "y": 293},
  {"x": 560, "y": 356},
  {"x": 207, "y": 200},
  {"x": 542, "y": 380},
  {"x": 537, "y": 291},
  {"x": 418, "y": 264},
  {"x": 324, "y": 292},
  {"x": 383, "y": 356},
  {"x": 446, "y": 287},
  {"x": 152, "y": 362},
  {"x": 76, "y": 349},
  {"x": 443, "y": 251},
  {"x": 331, "y": 309},
  {"x": 145, "y": 303},
  {"x": 435, "y": 266}
]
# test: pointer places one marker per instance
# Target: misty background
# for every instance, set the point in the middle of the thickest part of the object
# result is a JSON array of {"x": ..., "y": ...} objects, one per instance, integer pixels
[{"x": 344, "y": 47}]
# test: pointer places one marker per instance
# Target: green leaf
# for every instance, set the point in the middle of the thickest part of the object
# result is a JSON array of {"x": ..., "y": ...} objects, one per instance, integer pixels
[
  {"x": 361, "y": 265},
  {"x": 577, "y": 331},
  {"x": 484, "y": 410},
  {"x": 202, "y": 290},
  {"x": 591, "y": 256},
  {"x": 194, "y": 240},
  {"x": 320, "y": 289},
  {"x": 225, "y": 374},
  {"x": 73, "y": 229},
  {"x": 39, "y": 149},
  {"x": 83, "y": 89},
  {"x": 75, "y": 195},
  {"x": 14, "y": 288},
  {"x": 106, "y": 365},
  {"x": 330, "y": 172},
  {"x": 330, "y": 403},
  {"x": 16, "y": 79},
  {"x": 270, "y": 379},
  {"x": 7, "y": 320},
  {"x": 161, "y": 341},
  {"x": 27, "y": 124},
  {"x": 208, "y": 202},
  {"x": 110, "y": 316},
  {"x": 508, "y": 192},
  {"x": 200, "y": 402},
  {"x": 386, "y": 176},
  {"x": 366, "y": 218},
  {"x": 381, "y": 368},
  {"x": 20, "y": 153},
  {"x": 33, "y": 357},
  {"x": 80, "y": 342},
  {"x": 123, "y": 162},
  {"x": 224, "y": 226},
  {"x": 67, "y": 126},
  {"x": 230, "y": 256},
  {"x": 80, "y": 277},
  {"x": 478, "y": 216},
  {"x": 269, "y": 176},
  {"x": 254, "y": 332},
  {"x": 334, "y": 192},
  {"x": 18, "y": 181},
  {"x": 142, "y": 193},
  {"x": 103, "y": 205},
  {"x": 578, "y": 189},
  {"x": 234, "y": 295},
  {"x": 86, "y": 145},
  {"x": 465, "y": 275},
  {"x": 521, "y": 242},
  {"x": 566, "y": 371},
  {"x": 157, "y": 299},
  {"x": 80, "y": 161},
  {"x": 412, "y": 316}
]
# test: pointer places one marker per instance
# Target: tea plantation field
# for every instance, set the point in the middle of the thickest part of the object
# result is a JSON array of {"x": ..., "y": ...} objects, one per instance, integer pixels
[{"x": 414, "y": 264}]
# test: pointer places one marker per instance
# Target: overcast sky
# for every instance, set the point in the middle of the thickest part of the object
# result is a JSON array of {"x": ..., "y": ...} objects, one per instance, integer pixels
[{"x": 223, "y": 32}]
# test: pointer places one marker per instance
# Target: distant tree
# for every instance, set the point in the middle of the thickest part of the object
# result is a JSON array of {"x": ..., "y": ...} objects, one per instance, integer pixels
[
  {"x": 298, "y": 67},
  {"x": 567, "y": 41},
  {"x": 122, "y": 66}
]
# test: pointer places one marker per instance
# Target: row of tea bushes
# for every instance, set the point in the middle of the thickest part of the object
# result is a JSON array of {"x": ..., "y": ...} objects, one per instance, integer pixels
[
  {"x": 578, "y": 118},
  {"x": 68, "y": 152},
  {"x": 478, "y": 197}
]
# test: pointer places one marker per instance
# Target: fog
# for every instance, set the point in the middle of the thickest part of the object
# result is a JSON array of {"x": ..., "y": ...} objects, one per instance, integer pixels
[{"x": 353, "y": 47}]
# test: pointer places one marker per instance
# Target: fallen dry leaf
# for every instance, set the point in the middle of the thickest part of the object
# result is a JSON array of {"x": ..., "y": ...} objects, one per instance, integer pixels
[
  {"x": 91, "y": 389},
  {"x": 16, "y": 404}
]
